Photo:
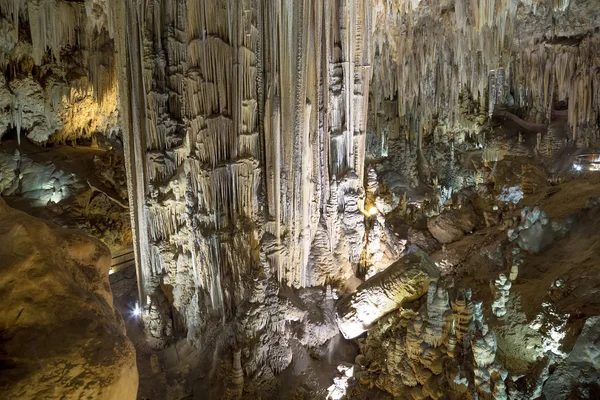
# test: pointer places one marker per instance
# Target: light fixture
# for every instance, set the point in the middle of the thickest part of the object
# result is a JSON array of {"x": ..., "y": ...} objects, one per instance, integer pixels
[{"x": 372, "y": 211}]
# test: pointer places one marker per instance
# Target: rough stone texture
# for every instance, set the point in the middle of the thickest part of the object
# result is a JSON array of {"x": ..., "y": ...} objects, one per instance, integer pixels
[
  {"x": 62, "y": 338},
  {"x": 450, "y": 226},
  {"x": 58, "y": 80},
  {"x": 247, "y": 125},
  {"x": 534, "y": 233},
  {"x": 418, "y": 352},
  {"x": 403, "y": 281},
  {"x": 76, "y": 187},
  {"x": 578, "y": 377}
]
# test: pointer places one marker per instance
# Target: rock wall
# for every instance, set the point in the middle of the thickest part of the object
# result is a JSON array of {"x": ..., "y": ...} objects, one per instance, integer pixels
[
  {"x": 62, "y": 337},
  {"x": 538, "y": 55},
  {"x": 245, "y": 127}
]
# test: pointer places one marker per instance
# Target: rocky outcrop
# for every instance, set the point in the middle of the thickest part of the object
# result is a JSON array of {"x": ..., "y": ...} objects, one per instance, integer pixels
[
  {"x": 61, "y": 335},
  {"x": 405, "y": 280},
  {"x": 578, "y": 377},
  {"x": 453, "y": 225}
]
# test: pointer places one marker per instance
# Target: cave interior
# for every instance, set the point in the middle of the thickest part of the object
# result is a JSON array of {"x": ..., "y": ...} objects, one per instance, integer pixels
[{"x": 300, "y": 199}]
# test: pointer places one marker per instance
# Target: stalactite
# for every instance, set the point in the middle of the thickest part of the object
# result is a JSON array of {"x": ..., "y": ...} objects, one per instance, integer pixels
[
  {"x": 473, "y": 50},
  {"x": 247, "y": 110}
]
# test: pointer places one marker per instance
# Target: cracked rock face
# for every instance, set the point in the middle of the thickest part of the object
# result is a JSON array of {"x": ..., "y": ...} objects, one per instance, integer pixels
[{"x": 61, "y": 336}]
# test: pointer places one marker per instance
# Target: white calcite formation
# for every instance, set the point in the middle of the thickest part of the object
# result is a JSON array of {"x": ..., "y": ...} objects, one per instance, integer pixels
[
  {"x": 501, "y": 291},
  {"x": 499, "y": 53},
  {"x": 245, "y": 127},
  {"x": 403, "y": 281},
  {"x": 268, "y": 143},
  {"x": 246, "y": 141},
  {"x": 534, "y": 233},
  {"x": 338, "y": 390},
  {"x": 62, "y": 336}
]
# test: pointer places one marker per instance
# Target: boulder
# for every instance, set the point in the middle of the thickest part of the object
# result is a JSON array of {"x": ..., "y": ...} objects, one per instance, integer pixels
[
  {"x": 405, "y": 280},
  {"x": 61, "y": 336},
  {"x": 423, "y": 239},
  {"x": 452, "y": 225},
  {"x": 578, "y": 376}
]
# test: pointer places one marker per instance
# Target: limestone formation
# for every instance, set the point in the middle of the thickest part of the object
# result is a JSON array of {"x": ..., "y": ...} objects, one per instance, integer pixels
[
  {"x": 75, "y": 95},
  {"x": 57, "y": 313},
  {"x": 534, "y": 233},
  {"x": 501, "y": 291},
  {"x": 278, "y": 166},
  {"x": 406, "y": 280},
  {"x": 236, "y": 378},
  {"x": 424, "y": 351},
  {"x": 453, "y": 225},
  {"x": 577, "y": 376}
]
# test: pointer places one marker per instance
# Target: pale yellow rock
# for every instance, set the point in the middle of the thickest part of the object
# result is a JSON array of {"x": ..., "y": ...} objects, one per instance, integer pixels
[{"x": 405, "y": 280}]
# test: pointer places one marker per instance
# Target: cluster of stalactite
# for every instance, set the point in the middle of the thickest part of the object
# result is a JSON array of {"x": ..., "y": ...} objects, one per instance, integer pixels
[
  {"x": 73, "y": 92},
  {"x": 536, "y": 56},
  {"x": 240, "y": 119}
]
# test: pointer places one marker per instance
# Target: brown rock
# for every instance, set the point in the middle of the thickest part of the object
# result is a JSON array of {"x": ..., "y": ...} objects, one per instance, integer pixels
[
  {"x": 61, "y": 336},
  {"x": 452, "y": 225}
]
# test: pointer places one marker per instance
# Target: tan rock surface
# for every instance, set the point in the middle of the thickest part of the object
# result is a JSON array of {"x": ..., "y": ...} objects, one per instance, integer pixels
[
  {"x": 452, "y": 226},
  {"x": 403, "y": 281},
  {"x": 61, "y": 336}
]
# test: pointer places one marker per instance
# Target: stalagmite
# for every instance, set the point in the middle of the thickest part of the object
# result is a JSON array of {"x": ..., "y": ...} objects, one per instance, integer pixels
[
  {"x": 236, "y": 378},
  {"x": 231, "y": 94},
  {"x": 287, "y": 162},
  {"x": 501, "y": 291}
]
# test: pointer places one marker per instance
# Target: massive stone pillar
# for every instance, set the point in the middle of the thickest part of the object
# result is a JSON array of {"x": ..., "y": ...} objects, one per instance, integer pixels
[{"x": 237, "y": 116}]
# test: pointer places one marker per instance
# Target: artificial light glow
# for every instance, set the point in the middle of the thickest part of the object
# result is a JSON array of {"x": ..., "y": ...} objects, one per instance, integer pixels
[
  {"x": 137, "y": 311},
  {"x": 372, "y": 211},
  {"x": 577, "y": 167}
]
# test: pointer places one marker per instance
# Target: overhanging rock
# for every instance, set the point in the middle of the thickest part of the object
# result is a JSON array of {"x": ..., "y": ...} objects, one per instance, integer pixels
[{"x": 405, "y": 280}]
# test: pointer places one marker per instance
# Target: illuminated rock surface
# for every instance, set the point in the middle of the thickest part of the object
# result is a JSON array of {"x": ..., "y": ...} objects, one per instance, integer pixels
[
  {"x": 403, "y": 281},
  {"x": 62, "y": 337},
  {"x": 266, "y": 163},
  {"x": 579, "y": 374}
]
